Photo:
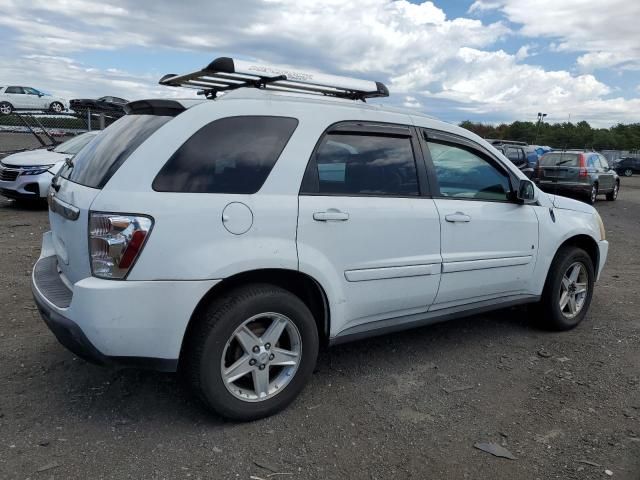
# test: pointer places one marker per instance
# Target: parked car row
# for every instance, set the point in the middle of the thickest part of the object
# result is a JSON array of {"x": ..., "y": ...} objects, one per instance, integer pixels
[
  {"x": 15, "y": 98},
  {"x": 581, "y": 173}
]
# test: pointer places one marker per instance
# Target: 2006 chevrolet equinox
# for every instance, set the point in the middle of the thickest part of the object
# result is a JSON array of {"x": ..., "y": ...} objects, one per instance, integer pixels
[{"x": 230, "y": 237}]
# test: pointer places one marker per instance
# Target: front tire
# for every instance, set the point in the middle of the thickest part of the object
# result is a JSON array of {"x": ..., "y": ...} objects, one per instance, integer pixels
[
  {"x": 628, "y": 172},
  {"x": 568, "y": 289},
  {"x": 252, "y": 351},
  {"x": 56, "y": 107},
  {"x": 5, "y": 108}
]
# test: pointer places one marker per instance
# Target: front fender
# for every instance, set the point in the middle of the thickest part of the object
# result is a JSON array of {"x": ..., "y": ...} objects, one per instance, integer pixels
[{"x": 557, "y": 226}]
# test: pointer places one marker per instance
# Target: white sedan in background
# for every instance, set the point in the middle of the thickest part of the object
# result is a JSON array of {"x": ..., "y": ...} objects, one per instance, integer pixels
[{"x": 27, "y": 175}]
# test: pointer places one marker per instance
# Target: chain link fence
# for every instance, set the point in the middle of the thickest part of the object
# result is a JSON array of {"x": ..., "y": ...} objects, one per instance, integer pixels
[
  {"x": 613, "y": 155},
  {"x": 27, "y": 130}
]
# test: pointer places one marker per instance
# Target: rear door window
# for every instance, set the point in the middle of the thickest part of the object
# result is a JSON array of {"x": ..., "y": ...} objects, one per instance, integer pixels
[
  {"x": 365, "y": 164},
  {"x": 230, "y": 155},
  {"x": 94, "y": 165}
]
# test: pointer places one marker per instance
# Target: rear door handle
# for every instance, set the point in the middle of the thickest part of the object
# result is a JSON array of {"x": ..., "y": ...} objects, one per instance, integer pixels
[
  {"x": 457, "y": 217},
  {"x": 331, "y": 215}
]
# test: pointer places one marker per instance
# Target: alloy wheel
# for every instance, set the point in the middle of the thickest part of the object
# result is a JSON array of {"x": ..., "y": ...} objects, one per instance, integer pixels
[
  {"x": 573, "y": 290},
  {"x": 5, "y": 109},
  {"x": 594, "y": 194},
  {"x": 627, "y": 172},
  {"x": 56, "y": 107},
  {"x": 261, "y": 357}
]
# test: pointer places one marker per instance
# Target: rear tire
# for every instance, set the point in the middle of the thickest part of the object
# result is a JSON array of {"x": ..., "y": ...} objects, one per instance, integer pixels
[
  {"x": 5, "y": 108},
  {"x": 557, "y": 311},
  {"x": 220, "y": 347},
  {"x": 613, "y": 194},
  {"x": 627, "y": 172}
]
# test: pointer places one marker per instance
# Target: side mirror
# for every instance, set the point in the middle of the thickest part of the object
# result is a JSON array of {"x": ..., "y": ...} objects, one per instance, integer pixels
[{"x": 526, "y": 192}]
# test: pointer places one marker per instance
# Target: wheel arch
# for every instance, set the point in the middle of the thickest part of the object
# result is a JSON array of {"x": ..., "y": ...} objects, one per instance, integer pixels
[
  {"x": 305, "y": 287},
  {"x": 586, "y": 243}
]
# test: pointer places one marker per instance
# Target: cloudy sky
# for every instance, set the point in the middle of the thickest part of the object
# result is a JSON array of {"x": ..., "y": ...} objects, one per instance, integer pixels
[{"x": 484, "y": 60}]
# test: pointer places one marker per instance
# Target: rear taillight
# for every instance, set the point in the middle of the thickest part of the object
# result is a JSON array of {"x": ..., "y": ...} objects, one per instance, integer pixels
[
  {"x": 115, "y": 241},
  {"x": 583, "y": 167}
]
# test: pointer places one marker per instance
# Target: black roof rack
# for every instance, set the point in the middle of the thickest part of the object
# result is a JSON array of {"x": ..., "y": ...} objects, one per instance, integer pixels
[{"x": 224, "y": 74}]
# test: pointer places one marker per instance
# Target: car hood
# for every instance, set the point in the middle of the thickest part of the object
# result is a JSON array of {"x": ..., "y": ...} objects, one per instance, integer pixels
[
  {"x": 565, "y": 203},
  {"x": 42, "y": 156}
]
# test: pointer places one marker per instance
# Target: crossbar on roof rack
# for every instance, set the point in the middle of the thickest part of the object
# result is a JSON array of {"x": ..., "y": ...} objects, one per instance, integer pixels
[{"x": 225, "y": 74}]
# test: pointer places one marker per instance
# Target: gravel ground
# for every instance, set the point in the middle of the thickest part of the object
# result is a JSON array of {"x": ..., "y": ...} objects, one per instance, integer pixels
[{"x": 408, "y": 405}]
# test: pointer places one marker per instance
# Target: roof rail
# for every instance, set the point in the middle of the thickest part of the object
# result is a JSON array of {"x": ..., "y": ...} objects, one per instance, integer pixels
[{"x": 225, "y": 74}]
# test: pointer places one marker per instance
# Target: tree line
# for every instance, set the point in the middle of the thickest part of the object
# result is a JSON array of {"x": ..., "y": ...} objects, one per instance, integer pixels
[{"x": 562, "y": 135}]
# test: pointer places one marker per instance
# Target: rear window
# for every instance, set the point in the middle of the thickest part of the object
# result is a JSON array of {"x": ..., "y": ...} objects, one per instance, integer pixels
[
  {"x": 230, "y": 155},
  {"x": 96, "y": 164},
  {"x": 560, "y": 159}
]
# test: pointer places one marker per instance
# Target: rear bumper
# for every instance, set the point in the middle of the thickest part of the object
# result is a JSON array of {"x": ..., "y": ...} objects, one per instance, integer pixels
[
  {"x": 111, "y": 322},
  {"x": 567, "y": 187}
]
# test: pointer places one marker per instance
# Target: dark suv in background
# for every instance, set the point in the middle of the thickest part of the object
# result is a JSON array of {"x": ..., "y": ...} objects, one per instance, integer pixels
[
  {"x": 627, "y": 166},
  {"x": 586, "y": 174},
  {"x": 516, "y": 152}
]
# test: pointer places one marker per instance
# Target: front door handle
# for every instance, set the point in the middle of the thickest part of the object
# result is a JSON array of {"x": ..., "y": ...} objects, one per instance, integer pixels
[
  {"x": 331, "y": 215},
  {"x": 457, "y": 217}
]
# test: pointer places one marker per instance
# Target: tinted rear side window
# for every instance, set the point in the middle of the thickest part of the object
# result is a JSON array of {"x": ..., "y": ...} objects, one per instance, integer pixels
[
  {"x": 230, "y": 155},
  {"x": 560, "y": 160},
  {"x": 362, "y": 164},
  {"x": 94, "y": 165}
]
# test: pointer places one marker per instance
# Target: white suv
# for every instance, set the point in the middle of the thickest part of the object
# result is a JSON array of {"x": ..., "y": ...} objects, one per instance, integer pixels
[
  {"x": 27, "y": 98},
  {"x": 231, "y": 238}
]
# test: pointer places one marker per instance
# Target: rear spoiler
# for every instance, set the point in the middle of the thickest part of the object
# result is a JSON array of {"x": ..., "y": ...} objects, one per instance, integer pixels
[{"x": 160, "y": 107}]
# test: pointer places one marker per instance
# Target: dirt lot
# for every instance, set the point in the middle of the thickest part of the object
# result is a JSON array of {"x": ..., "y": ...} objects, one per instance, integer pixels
[{"x": 409, "y": 405}]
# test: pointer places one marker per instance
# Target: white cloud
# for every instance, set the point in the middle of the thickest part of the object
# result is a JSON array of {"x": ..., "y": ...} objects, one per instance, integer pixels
[
  {"x": 482, "y": 5},
  {"x": 606, "y": 30},
  {"x": 415, "y": 47},
  {"x": 411, "y": 102},
  {"x": 70, "y": 79},
  {"x": 489, "y": 82},
  {"x": 524, "y": 52}
]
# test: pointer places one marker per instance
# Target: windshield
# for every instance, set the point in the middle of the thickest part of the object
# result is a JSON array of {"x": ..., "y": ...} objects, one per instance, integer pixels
[
  {"x": 95, "y": 165},
  {"x": 560, "y": 159},
  {"x": 73, "y": 146}
]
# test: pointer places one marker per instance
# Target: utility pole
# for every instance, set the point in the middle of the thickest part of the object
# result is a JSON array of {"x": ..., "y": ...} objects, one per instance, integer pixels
[{"x": 540, "y": 120}]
